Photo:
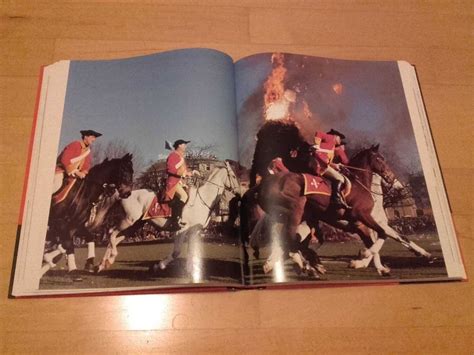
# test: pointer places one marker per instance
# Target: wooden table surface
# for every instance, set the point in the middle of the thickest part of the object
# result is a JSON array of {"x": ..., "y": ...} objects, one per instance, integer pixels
[{"x": 429, "y": 318}]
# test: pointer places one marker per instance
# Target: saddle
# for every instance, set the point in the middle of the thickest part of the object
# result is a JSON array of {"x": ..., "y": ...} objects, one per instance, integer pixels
[
  {"x": 64, "y": 190},
  {"x": 158, "y": 208},
  {"x": 317, "y": 185}
]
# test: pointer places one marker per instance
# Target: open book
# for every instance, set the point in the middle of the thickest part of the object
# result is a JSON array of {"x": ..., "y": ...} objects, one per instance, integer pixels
[{"x": 184, "y": 170}]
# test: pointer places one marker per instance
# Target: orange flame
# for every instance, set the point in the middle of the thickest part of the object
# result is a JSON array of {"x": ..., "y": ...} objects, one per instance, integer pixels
[
  {"x": 306, "y": 111},
  {"x": 274, "y": 87}
]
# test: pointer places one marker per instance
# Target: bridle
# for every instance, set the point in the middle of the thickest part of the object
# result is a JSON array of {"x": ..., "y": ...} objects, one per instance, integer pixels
[
  {"x": 234, "y": 190},
  {"x": 388, "y": 178}
]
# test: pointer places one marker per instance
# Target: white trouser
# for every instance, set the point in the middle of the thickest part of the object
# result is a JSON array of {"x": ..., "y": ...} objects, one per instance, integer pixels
[
  {"x": 333, "y": 174},
  {"x": 57, "y": 182}
]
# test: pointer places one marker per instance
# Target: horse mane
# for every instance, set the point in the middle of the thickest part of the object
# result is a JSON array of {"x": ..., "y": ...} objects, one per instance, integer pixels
[
  {"x": 96, "y": 172},
  {"x": 359, "y": 157},
  {"x": 362, "y": 155}
]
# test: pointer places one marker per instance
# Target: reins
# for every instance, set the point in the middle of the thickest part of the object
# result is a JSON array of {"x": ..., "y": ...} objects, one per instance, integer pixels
[
  {"x": 356, "y": 179},
  {"x": 224, "y": 188}
]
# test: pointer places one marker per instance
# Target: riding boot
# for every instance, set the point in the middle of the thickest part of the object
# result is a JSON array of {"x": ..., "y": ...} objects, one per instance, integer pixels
[
  {"x": 336, "y": 195},
  {"x": 176, "y": 223},
  {"x": 179, "y": 213}
]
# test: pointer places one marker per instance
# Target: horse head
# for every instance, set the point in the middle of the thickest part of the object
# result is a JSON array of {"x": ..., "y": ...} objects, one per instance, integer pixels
[
  {"x": 379, "y": 165},
  {"x": 114, "y": 175},
  {"x": 231, "y": 184}
]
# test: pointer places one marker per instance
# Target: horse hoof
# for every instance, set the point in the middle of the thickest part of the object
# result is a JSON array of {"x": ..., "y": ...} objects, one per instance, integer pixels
[
  {"x": 320, "y": 269},
  {"x": 107, "y": 264},
  {"x": 161, "y": 265},
  {"x": 89, "y": 266},
  {"x": 267, "y": 268},
  {"x": 353, "y": 264},
  {"x": 313, "y": 273},
  {"x": 384, "y": 272}
]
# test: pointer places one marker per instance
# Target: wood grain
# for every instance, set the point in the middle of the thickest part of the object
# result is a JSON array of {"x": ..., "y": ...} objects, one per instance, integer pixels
[{"x": 435, "y": 36}]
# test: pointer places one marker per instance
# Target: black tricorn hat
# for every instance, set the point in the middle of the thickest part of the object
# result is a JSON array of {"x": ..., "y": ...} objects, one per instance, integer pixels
[
  {"x": 178, "y": 142},
  {"x": 336, "y": 133},
  {"x": 90, "y": 132}
]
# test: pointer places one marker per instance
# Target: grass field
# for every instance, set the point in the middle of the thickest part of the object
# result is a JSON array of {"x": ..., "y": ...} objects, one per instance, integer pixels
[
  {"x": 221, "y": 264},
  {"x": 337, "y": 255}
]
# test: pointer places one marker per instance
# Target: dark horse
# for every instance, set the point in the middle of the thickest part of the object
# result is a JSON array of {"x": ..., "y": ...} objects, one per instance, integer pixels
[
  {"x": 274, "y": 139},
  {"x": 83, "y": 210},
  {"x": 282, "y": 197}
]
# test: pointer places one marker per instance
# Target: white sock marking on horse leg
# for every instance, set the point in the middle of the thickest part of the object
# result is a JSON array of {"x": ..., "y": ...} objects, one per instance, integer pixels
[
  {"x": 298, "y": 259},
  {"x": 419, "y": 249},
  {"x": 105, "y": 258},
  {"x": 90, "y": 250},
  {"x": 303, "y": 231},
  {"x": 381, "y": 269},
  {"x": 375, "y": 249},
  {"x": 71, "y": 262},
  {"x": 48, "y": 257}
]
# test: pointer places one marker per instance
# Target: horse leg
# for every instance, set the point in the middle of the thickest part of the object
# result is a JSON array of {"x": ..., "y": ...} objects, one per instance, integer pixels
[
  {"x": 374, "y": 249},
  {"x": 276, "y": 254},
  {"x": 111, "y": 251},
  {"x": 104, "y": 264},
  {"x": 256, "y": 236},
  {"x": 371, "y": 252},
  {"x": 295, "y": 231},
  {"x": 179, "y": 239},
  {"x": 313, "y": 266},
  {"x": 51, "y": 257},
  {"x": 412, "y": 246},
  {"x": 194, "y": 258},
  {"x": 114, "y": 251}
]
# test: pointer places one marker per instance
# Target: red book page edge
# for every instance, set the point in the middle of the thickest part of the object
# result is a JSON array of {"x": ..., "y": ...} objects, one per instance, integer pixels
[{"x": 30, "y": 149}]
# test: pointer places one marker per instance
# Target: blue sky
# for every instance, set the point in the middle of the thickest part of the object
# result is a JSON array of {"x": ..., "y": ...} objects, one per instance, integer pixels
[{"x": 144, "y": 101}]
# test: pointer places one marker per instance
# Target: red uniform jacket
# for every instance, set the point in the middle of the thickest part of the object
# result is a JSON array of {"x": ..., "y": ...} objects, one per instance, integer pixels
[
  {"x": 74, "y": 157},
  {"x": 176, "y": 168},
  {"x": 327, "y": 151},
  {"x": 325, "y": 144}
]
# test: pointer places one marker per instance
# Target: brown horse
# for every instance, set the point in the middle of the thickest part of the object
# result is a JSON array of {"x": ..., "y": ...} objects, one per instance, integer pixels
[
  {"x": 282, "y": 197},
  {"x": 83, "y": 210}
]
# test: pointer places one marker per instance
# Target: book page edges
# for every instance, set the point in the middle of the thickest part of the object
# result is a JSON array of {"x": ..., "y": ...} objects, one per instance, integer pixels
[
  {"x": 38, "y": 189},
  {"x": 431, "y": 170}
]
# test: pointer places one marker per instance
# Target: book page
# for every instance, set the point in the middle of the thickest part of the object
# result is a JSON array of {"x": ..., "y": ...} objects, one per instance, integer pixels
[
  {"x": 139, "y": 165},
  {"x": 337, "y": 176},
  {"x": 434, "y": 181}
]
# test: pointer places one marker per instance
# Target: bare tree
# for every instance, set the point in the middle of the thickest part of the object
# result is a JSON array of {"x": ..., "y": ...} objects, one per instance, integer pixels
[{"x": 206, "y": 151}]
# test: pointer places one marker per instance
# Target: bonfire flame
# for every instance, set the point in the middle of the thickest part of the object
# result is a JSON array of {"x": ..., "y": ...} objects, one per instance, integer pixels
[
  {"x": 279, "y": 102},
  {"x": 276, "y": 99}
]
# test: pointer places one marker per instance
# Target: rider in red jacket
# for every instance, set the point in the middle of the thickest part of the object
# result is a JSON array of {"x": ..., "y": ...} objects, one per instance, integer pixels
[
  {"x": 75, "y": 159},
  {"x": 330, "y": 154}
]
